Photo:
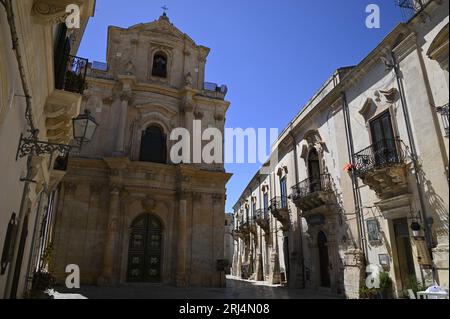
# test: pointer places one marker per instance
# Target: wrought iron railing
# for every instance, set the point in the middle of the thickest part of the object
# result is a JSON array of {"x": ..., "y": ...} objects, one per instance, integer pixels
[
  {"x": 311, "y": 185},
  {"x": 443, "y": 110},
  {"x": 262, "y": 214},
  {"x": 73, "y": 77},
  {"x": 278, "y": 202},
  {"x": 386, "y": 152},
  {"x": 411, "y": 7}
]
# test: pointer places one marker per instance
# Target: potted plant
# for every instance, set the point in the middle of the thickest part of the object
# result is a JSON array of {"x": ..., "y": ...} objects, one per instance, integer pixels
[
  {"x": 367, "y": 293},
  {"x": 42, "y": 281},
  {"x": 349, "y": 168},
  {"x": 385, "y": 290}
]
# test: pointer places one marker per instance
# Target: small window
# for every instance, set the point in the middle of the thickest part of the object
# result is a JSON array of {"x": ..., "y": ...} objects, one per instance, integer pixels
[{"x": 159, "y": 68}]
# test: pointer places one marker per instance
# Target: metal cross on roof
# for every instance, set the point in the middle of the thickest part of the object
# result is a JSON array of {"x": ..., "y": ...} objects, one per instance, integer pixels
[{"x": 164, "y": 7}]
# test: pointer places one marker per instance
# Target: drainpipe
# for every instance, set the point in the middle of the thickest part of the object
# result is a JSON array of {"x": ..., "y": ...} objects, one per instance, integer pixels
[
  {"x": 361, "y": 243},
  {"x": 412, "y": 146},
  {"x": 302, "y": 257}
]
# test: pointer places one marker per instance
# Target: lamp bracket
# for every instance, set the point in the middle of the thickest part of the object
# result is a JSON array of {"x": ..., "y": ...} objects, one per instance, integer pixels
[{"x": 31, "y": 145}]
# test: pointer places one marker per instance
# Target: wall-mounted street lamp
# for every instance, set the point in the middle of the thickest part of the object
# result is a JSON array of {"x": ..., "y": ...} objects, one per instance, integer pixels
[
  {"x": 415, "y": 227},
  {"x": 84, "y": 127}
]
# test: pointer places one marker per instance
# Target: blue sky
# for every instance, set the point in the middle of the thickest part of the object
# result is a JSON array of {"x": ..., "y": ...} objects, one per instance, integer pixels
[{"x": 272, "y": 54}]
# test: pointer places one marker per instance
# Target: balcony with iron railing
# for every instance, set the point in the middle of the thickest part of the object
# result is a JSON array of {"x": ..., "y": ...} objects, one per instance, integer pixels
[
  {"x": 64, "y": 102},
  {"x": 443, "y": 110},
  {"x": 313, "y": 193},
  {"x": 280, "y": 210},
  {"x": 72, "y": 76},
  {"x": 382, "y": 166},
  {"x": 262, "y": 219},
  {"x": 244, "y": 227}
]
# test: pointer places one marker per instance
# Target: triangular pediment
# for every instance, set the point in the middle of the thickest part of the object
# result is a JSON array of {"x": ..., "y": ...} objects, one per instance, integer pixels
[{"x": 160, "y": 26}]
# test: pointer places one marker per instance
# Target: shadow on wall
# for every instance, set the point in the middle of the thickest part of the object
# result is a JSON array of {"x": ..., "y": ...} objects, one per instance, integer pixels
[{"x": 437, "y": 204}]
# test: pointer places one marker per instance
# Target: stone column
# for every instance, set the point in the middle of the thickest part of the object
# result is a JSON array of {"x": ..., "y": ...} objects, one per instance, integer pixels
[
  {"x": 128, "y": 81},
  {"x": 259, "y": 261},
  {"x": 120, "y": 142},
  {"x": 275, "y": 275},
  {"x": 239, "y": 260},
  {"x": 106, "y": 277},
  {"x": 182, "y": 237}
]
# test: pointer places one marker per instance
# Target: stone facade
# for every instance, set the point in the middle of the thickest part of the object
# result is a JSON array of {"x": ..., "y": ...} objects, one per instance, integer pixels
[
  {"x": 312, "y": 223},
  {"x": 30, "y": 98},
  {"x": 154, "y": 79},
  {"x": 228, "y": 241}
]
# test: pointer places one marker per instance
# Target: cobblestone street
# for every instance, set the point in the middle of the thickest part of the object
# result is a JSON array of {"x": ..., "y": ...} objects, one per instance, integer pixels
[{"x": 236, "y": 289}]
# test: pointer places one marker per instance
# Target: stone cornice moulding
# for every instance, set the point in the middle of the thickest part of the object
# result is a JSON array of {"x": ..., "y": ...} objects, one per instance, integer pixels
[{"x": 405, "y": 47}]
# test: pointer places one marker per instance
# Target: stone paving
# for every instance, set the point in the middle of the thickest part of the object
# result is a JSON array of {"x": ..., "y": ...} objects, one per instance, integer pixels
[{"x": 236, "y": 289}]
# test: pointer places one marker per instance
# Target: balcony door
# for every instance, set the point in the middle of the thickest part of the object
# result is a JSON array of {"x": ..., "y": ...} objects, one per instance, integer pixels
[
  {"x": 283, "y": 190},
  {"x": 314, "y": 171},
  {"x": 266, "y": 203},
  {"x": 384, "y": 148}
]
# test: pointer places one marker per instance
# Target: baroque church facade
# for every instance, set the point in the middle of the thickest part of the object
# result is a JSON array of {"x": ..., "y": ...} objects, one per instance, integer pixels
[{"x": 124, "y": 212}]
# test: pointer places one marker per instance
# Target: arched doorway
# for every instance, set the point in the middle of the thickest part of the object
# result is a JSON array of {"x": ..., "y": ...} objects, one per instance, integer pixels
[
  {"x": 314, "y": 171},
  {"x": 153, "y": 145},
  {"x": 323, "y": 260},
  {"x": 144, "y": 253}
]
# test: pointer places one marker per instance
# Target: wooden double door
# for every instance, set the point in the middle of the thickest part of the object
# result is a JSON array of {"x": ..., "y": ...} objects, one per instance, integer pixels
[{"x": 144, "y": 253}]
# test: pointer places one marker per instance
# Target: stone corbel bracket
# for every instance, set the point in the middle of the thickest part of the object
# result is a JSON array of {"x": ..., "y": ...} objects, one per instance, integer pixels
[{"x": 52, "y": 11}]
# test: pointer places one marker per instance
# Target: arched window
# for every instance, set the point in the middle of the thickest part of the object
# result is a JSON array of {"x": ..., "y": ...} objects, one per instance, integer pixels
[
  {"x": 159, "y": 68},
  {"x": 314, "y": 171},
  {"x": 153, "y": 145}
]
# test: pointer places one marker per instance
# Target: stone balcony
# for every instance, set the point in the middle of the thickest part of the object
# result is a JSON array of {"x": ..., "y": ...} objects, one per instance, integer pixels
[
  {"x": 63, "y": 104},
  {"x": 383, "y": 167},
  {"x": 314, "y": 195},
  {"x": 279, "y": 209},
  {"x": 262, "y": 220},
  {"x": 253, "y": 226}
]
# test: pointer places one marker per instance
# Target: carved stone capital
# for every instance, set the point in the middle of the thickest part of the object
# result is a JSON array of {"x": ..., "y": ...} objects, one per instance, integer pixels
[
  {"x": 219, "y": 117},
  {"x": 198, "y": 115}
]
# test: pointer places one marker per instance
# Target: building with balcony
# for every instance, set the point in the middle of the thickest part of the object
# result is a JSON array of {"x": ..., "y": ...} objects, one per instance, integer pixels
[
  {"x": 41, "y": 87},
  {"x": 127, "y": 212},
  {"x": 362, "y": 171}
]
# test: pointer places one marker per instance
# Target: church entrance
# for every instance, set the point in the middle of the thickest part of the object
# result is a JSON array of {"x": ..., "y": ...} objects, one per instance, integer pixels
[{"x": 144, "y": 253}]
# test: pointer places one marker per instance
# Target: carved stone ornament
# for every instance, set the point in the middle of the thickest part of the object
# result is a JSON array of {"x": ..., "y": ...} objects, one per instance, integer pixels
[
  {"x": 148, "y": 203},
  {"x": 188, "y": 79},
  {"x": 52, "y": 11},
  {"x": 390, "y": 95}
]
